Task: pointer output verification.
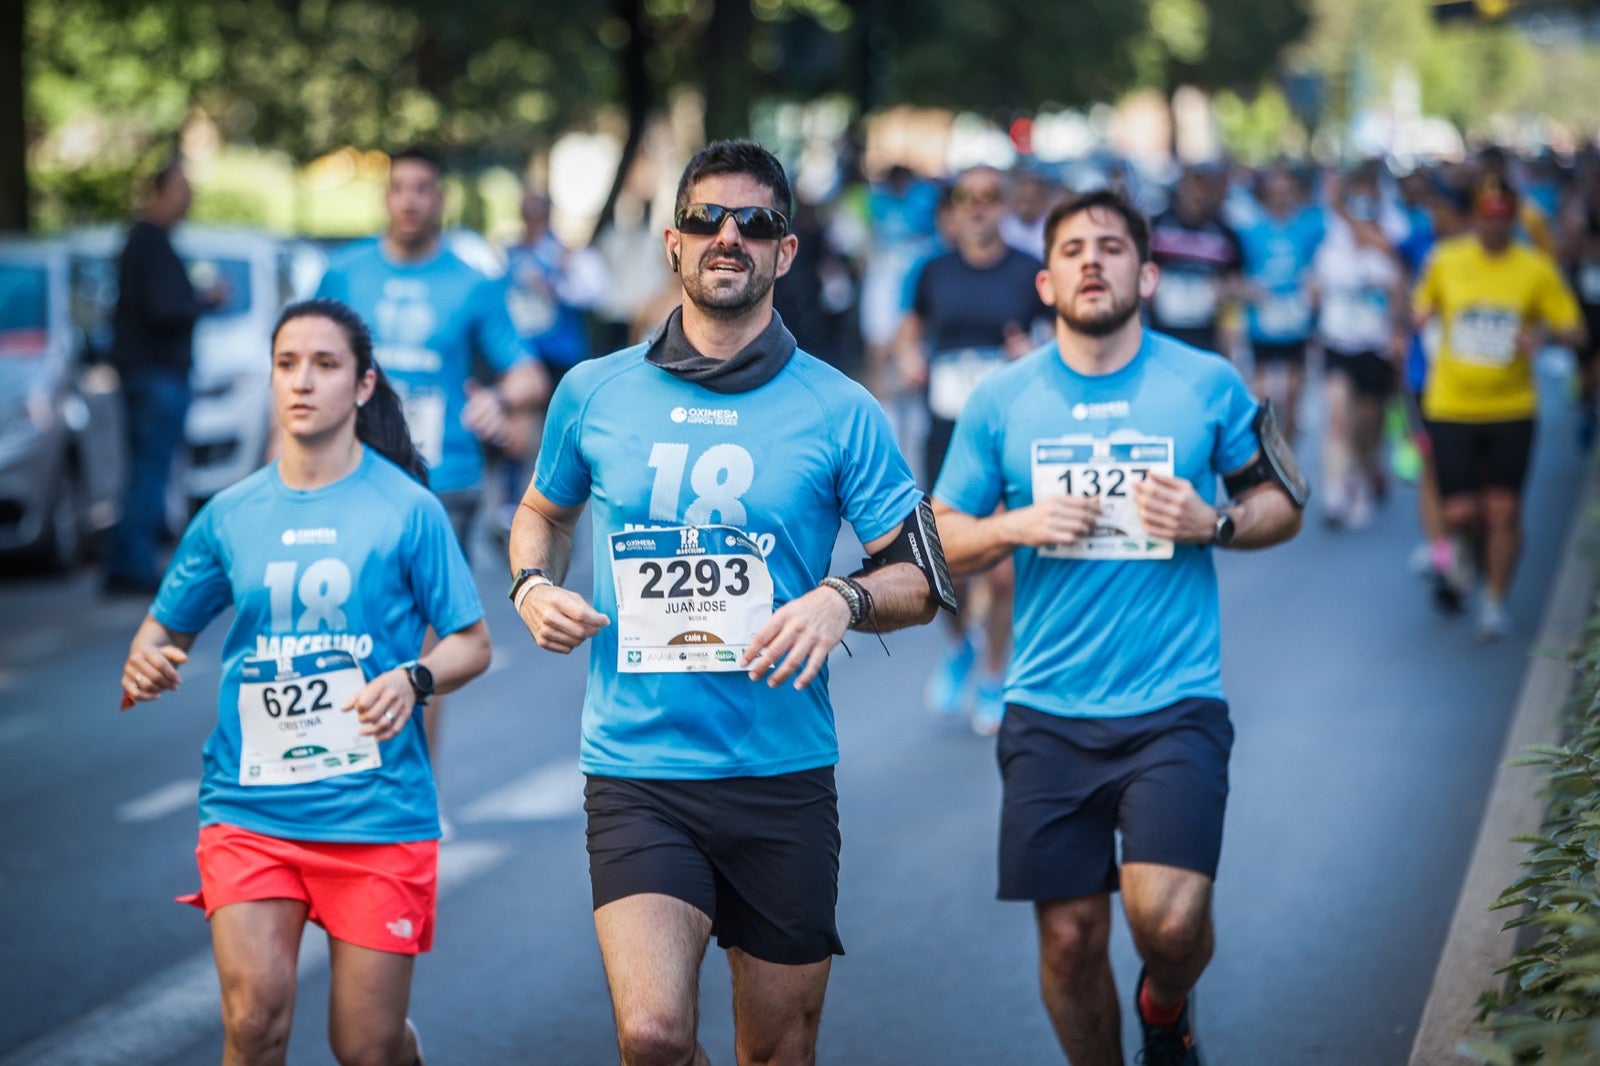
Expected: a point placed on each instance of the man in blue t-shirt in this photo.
(1105, 447)
(720, 462)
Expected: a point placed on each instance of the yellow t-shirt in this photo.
(1482, 303)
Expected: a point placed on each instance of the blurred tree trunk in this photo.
(726, 69)
(638, 97)
(13, 128)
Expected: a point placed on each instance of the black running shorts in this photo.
(1469, 457)
(759, 855)
(1072, 784)
(1292, 354)
(1369, 373)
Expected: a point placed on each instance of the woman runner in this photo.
(317, 800)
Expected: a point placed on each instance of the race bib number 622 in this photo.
(292, 724)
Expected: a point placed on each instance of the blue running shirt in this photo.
(1277, 257)
(781, 466)
(361, 568)
(428, 320)
(1106, 638)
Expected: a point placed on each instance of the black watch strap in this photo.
(421, 679)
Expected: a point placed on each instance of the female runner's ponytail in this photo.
(381, 421)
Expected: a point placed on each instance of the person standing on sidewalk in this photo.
(1105, 448)
(152, 350)
(720, 461)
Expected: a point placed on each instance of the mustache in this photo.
(733, 255)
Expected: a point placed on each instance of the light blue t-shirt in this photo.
(1277, 257)
(428, 321)
(363, 566)
(1106, 638)
(784, 463)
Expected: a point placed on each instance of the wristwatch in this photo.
(532, 573)
(1222, 534)
(421, 679)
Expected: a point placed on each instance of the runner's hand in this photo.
(485, 414)
(798, 637)
(152, 670)
(559, 618)
(1171, 509)
(1061, 519)
(384, 704)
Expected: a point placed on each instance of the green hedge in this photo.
(1548, 1010)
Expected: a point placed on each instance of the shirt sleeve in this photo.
(562, 473)
(1557, 306)
(1425, 295)
(436, 571)
(333, 286)
(1237, 440)
(876, 489)
(973, 477)
(196, 587)
(494, 334)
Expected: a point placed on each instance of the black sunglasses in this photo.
(757, 223)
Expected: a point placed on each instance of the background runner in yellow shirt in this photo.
(1497, 302)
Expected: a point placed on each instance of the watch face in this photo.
(421, 679)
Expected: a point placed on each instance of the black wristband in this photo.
(857, 597)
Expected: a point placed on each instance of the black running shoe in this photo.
(1166, 1045)
(1446, 597)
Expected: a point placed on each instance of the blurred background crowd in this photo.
(563, 129)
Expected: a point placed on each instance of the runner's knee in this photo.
(651, 1038)
(1073, 942)
(257, 1017)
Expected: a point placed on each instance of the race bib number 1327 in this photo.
(1106, 470)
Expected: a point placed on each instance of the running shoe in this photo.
(946, 694)
(417, 1040)
(1420, 561)
(990, 706)
(1166, 1045)
(1453, 577)
(1492, 621)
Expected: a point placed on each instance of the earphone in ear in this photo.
(674, 262)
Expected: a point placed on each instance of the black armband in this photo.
(1275, 463)
(917, 543)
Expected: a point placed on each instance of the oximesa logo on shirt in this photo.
(323, 535)
(1111, 409)
(705, 416)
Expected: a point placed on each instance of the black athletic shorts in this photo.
(1590, 348)
(1072, 784)
(462, 508)
(940, 431)
(1293, 354)
(1370, 373)
(1469, 457)
(758, 855)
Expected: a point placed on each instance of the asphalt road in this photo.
(1368, 733)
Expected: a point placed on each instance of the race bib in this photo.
(425, 416)
(1186, 300)
(1284, 315)
(290, 723)
(689, 598)
(1106, 469)
(1589, 284)
(1358, 316)
(1485, 336)
(954, 374)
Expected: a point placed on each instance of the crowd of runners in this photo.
(1095, 401)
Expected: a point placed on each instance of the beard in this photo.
(1100, 323)
(725, 301)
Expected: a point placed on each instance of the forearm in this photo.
(525, 386)
(152, 634)
(900, 598)
(972, 544)
(459, 657)
(539, 542)
(1264, 516)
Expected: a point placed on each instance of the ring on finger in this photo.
(388, 716)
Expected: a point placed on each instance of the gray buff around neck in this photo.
(750, 368)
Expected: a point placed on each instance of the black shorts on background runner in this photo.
(1471, 456)
(1072, 784)
(759, 855)
(1292, 354)
(1370, 373)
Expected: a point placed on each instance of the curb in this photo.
(1475, 946)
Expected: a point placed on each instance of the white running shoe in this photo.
(1420, 561)
(416, 1041)
(1492, 621)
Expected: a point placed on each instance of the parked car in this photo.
(61, 437)
(227, 429)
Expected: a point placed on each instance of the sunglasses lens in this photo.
(757, 223)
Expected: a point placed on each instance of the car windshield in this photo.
(24, 310)
(234, 274)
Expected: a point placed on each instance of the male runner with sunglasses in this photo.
(720, 461)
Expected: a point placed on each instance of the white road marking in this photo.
(168, 799)
(549, 793)
(178, 1006)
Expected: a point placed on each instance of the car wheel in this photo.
(61, 547)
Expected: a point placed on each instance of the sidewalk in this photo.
(1475, 946)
